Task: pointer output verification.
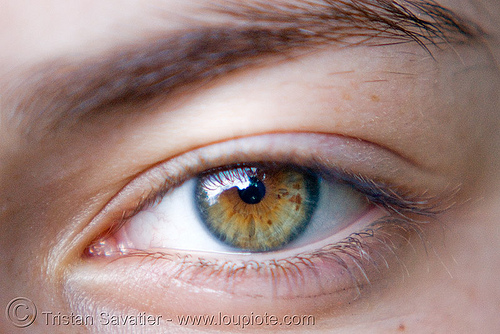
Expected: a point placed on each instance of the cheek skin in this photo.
(453, 289)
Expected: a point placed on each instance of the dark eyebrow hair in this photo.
(151, 70)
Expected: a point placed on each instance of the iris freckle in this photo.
(254, 193)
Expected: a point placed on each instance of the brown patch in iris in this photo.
(269, 222)
(297, 186)
(296, 199)
(297, 207)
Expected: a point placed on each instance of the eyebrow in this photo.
(154, 69)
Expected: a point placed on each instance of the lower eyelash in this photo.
(360, 257)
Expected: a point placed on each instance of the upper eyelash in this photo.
(401, 201)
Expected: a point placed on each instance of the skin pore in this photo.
(418, 120)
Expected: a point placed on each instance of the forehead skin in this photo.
(47, 181)
(73, 27)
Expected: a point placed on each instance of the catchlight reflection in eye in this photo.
(257, 209)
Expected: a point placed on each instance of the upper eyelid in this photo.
(234, 151)
(389, 196)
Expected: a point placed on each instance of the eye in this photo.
(273, 217)
(239, 209)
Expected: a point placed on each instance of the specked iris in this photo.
(257, 208)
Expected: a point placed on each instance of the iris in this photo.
(257, 208)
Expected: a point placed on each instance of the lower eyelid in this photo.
(326, 279)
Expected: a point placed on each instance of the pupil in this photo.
(254, 193)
